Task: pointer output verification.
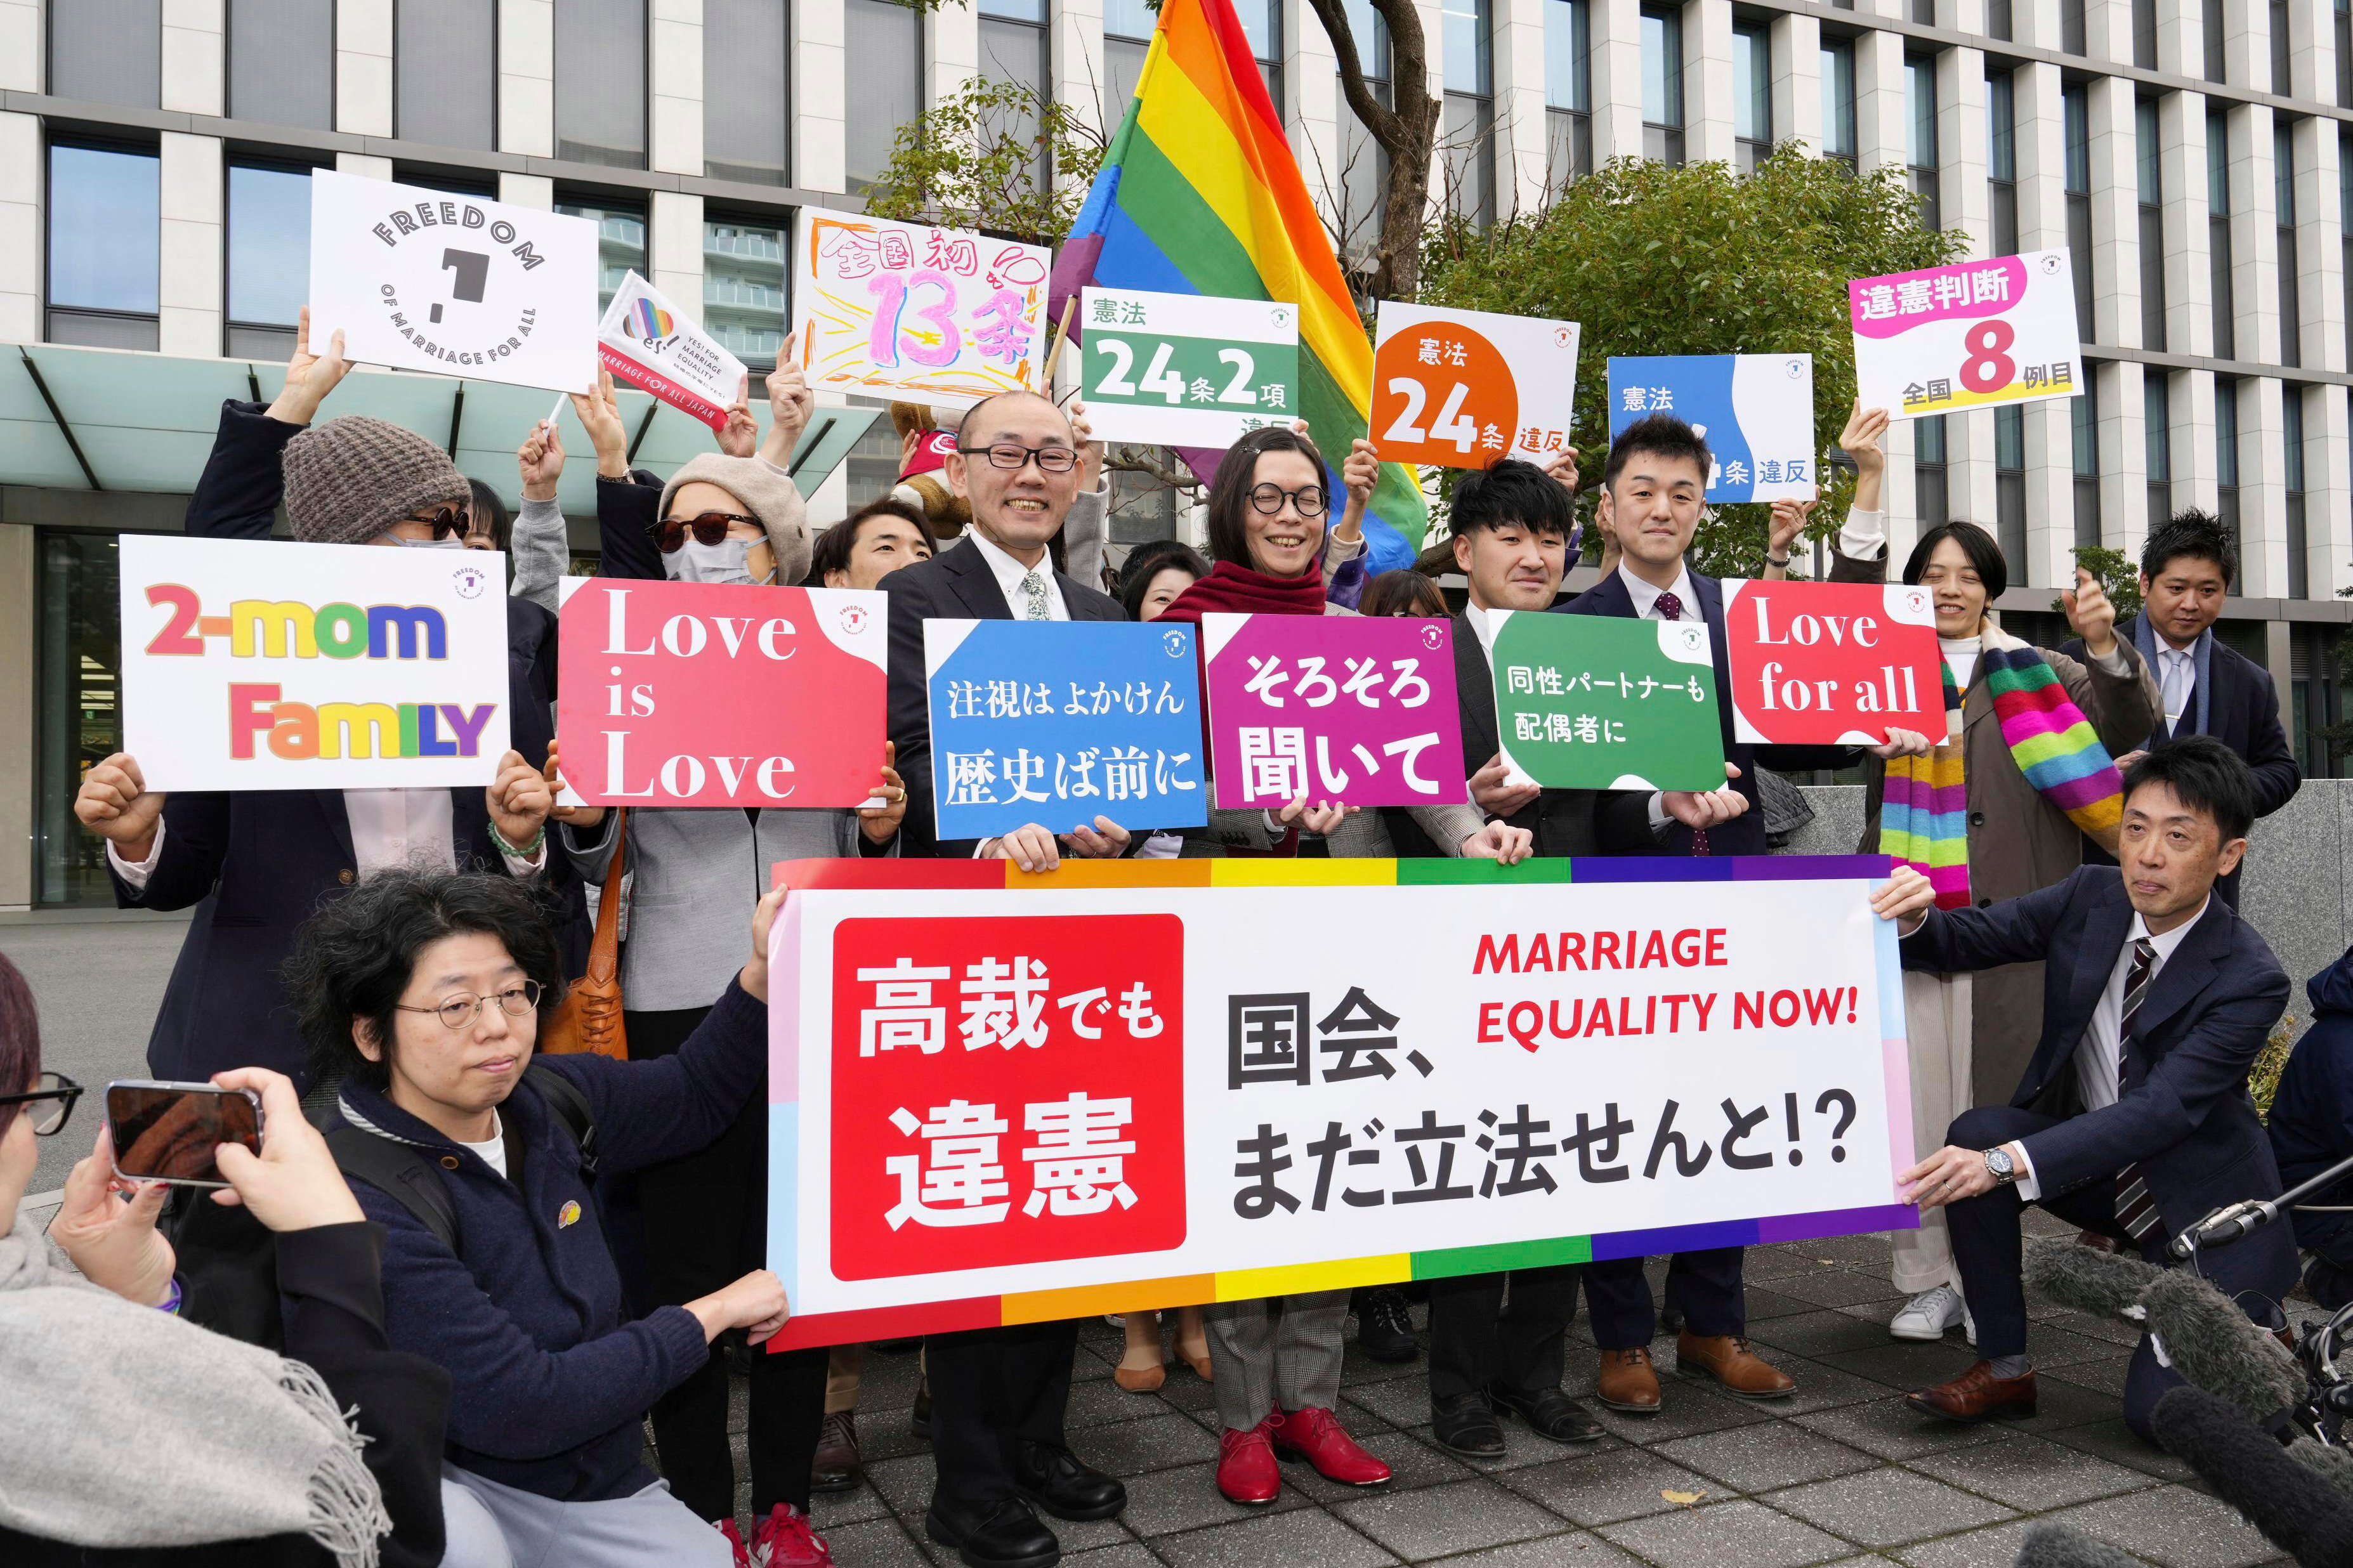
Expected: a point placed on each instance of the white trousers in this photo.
(490, 1525)
(1936, 1024)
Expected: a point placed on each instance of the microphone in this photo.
(2224, 1226)
(2055, 1546)
(2212, 1342)
(2105, 1284)
(2295, 1508)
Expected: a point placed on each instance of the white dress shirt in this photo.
(1646, 597)
(1009, 574)
(391, 828)
(2177, 678)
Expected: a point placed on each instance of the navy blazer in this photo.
(955, 584)
(2183, 1112)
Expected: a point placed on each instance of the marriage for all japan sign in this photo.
(996, 1098)
(1962, 336)
(257, 664)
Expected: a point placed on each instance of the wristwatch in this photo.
(2000, 1167)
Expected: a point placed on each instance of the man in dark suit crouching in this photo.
(2133, 1118)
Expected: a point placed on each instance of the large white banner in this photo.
(257, 664)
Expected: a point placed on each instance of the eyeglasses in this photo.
(1008, 454)
(448, 522)
(708, 528)
(1308, 498)
(51, 1100)
(515, 1002)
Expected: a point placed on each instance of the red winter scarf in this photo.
(1236, 590)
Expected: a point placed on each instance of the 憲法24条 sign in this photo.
(1458, 389)
(996, 1097)
(722, 694)
(1356, 710)
(464, 285)
(1755, 411)
(255, 664)
(1059, 722)
(1602, 702)
(648, 342)
(1832, 664)
(1188, 370)
(1966, 335)
(942, 314)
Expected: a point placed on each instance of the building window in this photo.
(81, 719)
(2143, 26)
(747, 91)
(269, 258)
(1364, 167)
(1467, 134)
(2084, 432)
(2075, 128)
(1261, 23)
(2281, 73)
(1920, 144)
(2345, 54)
(1931, 495)
(1127, 38)
(2299, 576)
(2151, 170)
(2215, 24)
(2010, 485)
(2218, 232)
(2226, 450)
(886, 39)
(2157, 427)
(107, 51)
(2345, 229)
(1569, 92)
(1662, 83)
(2001, 160)
(744, 290)
(1013, 50)
(620, 241)
(281, 62)
(445, 71)
(105, 223)
(2290, 314)
(1838, 99)
(1752, 95)
(600, 82)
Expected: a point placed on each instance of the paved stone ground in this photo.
(1840, 1473)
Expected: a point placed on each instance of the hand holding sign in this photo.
(600, 415)
(309, 377)
(540, 461)
(739, 435)
(1701, 809)
(115, 803)
(1860, 441)
(790, 404)
(518, 801)
(879, 818)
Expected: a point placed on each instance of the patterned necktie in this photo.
(1670, 608)
(2136, 1210)
(1034, 587)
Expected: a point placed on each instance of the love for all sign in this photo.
(720, 694)
(1832, 664)
(996, 1097)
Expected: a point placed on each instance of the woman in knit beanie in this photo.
(364, 481)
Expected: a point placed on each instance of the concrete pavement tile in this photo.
(1761, 1303)
(1906, 1365)
(1155, 1443)
(830, 1511)
(2104, 1376)
(2113, 1441)
(1356, 1367)
(2115, 1330)
(1823, 1331)
(2048, 1344)
(1622, 1484)
(1743, 1534)
(1100, 1401)
(1127, 1554)
(2031, 1474)
(2175, 1528)
(1421, 1525)
(1887, 1507)
(1400, 1402)
(1576, 1549)
(1821, 1388)
(1769, 1455)
(1989, 1548)
(1687, 1407)
(1773, 1264)
(2059, 1406)
(1522, 1447)
(1306, 1535)
(1893, 1430)
(875, 1543)
(1839, 1287)
(903, 1483)
(1187, 1498)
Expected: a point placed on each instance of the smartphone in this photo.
(172, 1132)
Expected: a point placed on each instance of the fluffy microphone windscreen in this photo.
(2089, 1280)
(2296, 1510)
(2064, 1546)
(2210, 1343)
(2335, 1464)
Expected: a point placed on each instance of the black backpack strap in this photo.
(571, 1110)
(402, 1173)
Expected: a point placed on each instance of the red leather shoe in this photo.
(1247, 1473)
(1315, 1435)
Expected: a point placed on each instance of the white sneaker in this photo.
(1968, 1325)
(1929, 1315)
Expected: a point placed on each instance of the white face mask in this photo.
(430, 544)
(728, 560)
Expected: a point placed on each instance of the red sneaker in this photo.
(1315, 1435)
(735, 1542)
(785, 1539)
(1247, 1473)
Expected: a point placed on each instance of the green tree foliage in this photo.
(1654, 259)
(979, 158)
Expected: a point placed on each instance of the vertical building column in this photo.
(1080, 79)
(2312, 57)
(192, 245)
(21, 228)
(1962, 141)
(363, 67)
(2246, 43)
(2263, 490)
(951, 50)
(2109, 32)
(195, 57)
(820, 96)
(2319, 245)
(1881, 112)
(2194, 463)
(527, 78)
(366, 165)
(2116, 211)
(1433, 32)
(1615, 37)
(675, 77)
(19, 709)
(2049, 453)
(21, 54)
(2189, 273)
(1522, 145)
(1317, 109)
(674, 248)
(1707, 82)
(2123, 457)
(2327, 492)
(2255, 235)
(527, 190)
(1797, 81)
(2181, 38)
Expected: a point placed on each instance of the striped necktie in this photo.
(2136, 1210)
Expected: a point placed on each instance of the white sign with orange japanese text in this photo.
(1458, 389)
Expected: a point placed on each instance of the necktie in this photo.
(1670, 608)
(2180, 675)
(2136, 1210)
(1033, 588)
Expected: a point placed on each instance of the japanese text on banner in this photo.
(942, 313)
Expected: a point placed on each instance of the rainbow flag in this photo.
(1198, 193)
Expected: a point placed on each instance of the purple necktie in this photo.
(1670, 608)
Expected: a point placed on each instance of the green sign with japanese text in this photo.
(1599, 703)
(1186, 370)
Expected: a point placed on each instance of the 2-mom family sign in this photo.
(996, 1098)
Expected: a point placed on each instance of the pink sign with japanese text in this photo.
(1356, 711)
(1963, 336)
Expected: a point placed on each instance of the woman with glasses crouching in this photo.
(423, 995)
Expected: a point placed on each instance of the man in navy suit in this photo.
(2133, 1118)
(2210, 690)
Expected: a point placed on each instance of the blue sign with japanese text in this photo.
(1059, 722)
(1756, 411)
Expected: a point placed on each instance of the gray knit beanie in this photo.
(766, 492)
(352, 478)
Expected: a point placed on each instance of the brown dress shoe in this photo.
(1976, 1396)
(837, 1467)
(1628, 1383)
(1727, 1359)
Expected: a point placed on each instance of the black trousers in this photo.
(992, 1390)
(1476, 1342)
(1705, 1287)
(704, 1221)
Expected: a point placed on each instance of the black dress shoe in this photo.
(1551, 1414)
(1384, 1327)
(1465, 1423)
(919, 1419)
(1003, 1534)
(1056, 1481)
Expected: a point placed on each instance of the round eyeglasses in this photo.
(516, 1002)
(1269, 499)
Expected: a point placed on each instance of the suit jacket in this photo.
(955, 584)
(2182, 1111)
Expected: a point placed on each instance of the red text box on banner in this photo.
(1006, 1090)
(712, 694)
(1820, 664)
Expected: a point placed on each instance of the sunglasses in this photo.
(708, 528)
(448, 522)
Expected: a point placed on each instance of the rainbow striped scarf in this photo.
(1924, 815)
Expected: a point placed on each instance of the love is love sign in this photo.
(1832, 664)
(721, 694)
(1968, 335)
(1458, 389)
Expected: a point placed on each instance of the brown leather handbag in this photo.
(589, 1018)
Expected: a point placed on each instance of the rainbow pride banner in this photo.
(996, 1098)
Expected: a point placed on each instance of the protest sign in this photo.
(996, 1098)
(1356, 711)
(257, 664)
(420, 279)
(721, 694)
(1602, 703)
(1458, 389)
(940, 314)
(1832, 664)
(1756, 412)
(648, 342)
(1963, 336)
(1059, 722)
(1186, 370)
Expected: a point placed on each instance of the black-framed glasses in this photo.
(49, 1102)
(446, 522)
(708, 528)
(518, 1001)
(1013, 456)
(1268, 499)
